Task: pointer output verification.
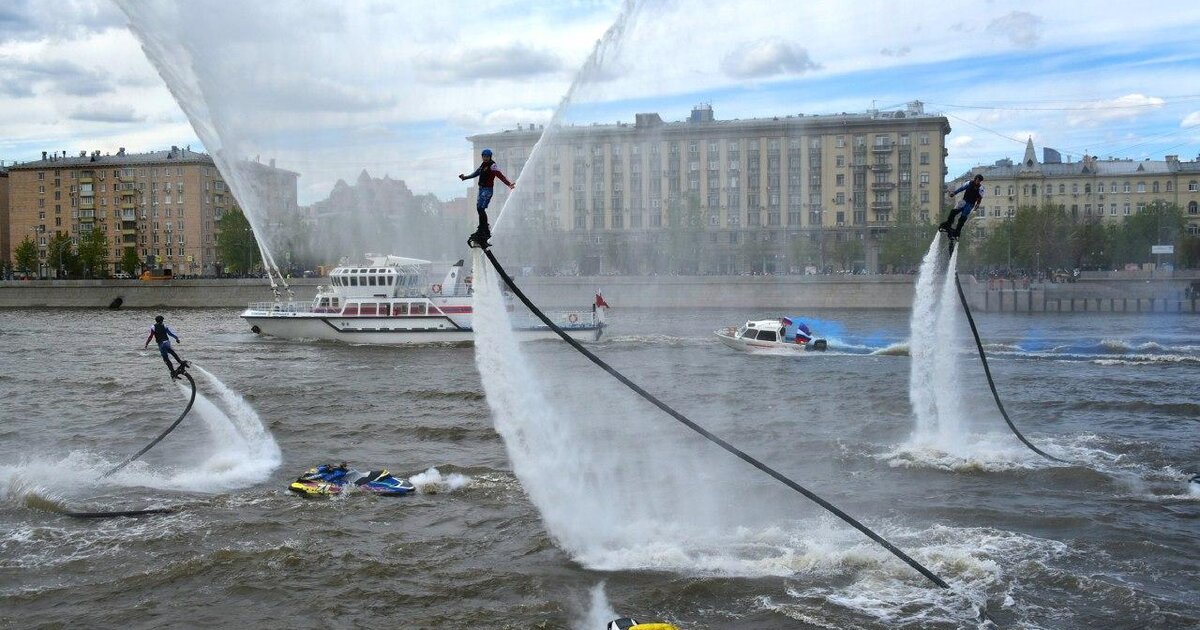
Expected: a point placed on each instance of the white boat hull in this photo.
(390, 331)
(751, 345)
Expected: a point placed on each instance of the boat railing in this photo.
(282, 307)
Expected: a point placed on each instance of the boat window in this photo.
(353, 281)
(750, 334)
(335, 302)
(418, 309)
(371, 280)
(400, 309)
(766, 335)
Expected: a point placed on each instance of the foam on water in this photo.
(599, 611)
(240, 452)
(432, 481)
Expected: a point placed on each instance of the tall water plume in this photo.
(935, 384)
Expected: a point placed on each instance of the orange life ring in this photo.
(572, 318)
(437, 288)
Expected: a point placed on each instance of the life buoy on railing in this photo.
(469, 280)
(572, 318)
(437, 288)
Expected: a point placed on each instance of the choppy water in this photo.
(1113, 544)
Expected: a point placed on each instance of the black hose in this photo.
(162, 435)
(713, 438)
(986, 370)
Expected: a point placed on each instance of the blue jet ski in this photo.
(329, 480)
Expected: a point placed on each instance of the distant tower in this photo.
(1029, 162)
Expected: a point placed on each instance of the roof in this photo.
(174, 155)
(1089, 165)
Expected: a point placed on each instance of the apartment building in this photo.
(770, 180)
(1091, 188)
(163, 205)
(5, 240)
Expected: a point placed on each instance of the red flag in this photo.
(600, 300)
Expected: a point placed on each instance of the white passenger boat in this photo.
(389, 301)
(785, 333)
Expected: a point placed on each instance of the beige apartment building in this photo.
(1091, 188)
(770, 180)
(5, 239)
(164, 205)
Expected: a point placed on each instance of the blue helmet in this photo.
(487, 153)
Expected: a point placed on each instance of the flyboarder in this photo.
(162, 334)
(972, 196)
(487, 173)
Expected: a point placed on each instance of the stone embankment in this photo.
(1090, 294)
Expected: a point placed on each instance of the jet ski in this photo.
(329, 480)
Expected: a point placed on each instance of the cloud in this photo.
(1129, 106)
(18, 78)
(107, 114)
(30, 20)
(516, 61)
(501, 118)
(767, 57)
(959, 142)
(1019, 27)
(1191, 120)
(896, 52)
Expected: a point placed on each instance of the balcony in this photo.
(881, 167)
(881, 206)
(87, 219)
(883, 185)
(125, 179)
(128, 215)
(85, 180)
(128, 231)
(883, 148)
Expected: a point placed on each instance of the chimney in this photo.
(121, 151)
(43, 156)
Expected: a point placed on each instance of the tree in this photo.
(93, 253)
(905, 243)
(237, 248)
(1160, 223)
(1089, 244)
(61, 255)
(847, 252)
(130, 262)
(26, 256)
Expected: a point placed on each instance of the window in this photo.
(925, 138)
(925, 158)
(840, 141)
(1127, 188)
(1141, 187)
(1193, 208)
(840, 199)
(1192, 187)
(840, 161)
(841, 180)
(1126, 209)
(924, 178)
(924, 196)
(1062, 189)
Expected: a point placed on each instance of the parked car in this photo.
(121, 275)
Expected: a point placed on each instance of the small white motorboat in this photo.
(785, 333)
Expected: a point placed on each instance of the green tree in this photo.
(93, 253)
(130, 263)
(237, 248)
(26, 256)
(847, 252)
(905, 243)
(684, 225)
(1160, 223)
(1089, 245)
(60, 254)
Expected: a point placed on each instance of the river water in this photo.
(1112, 542)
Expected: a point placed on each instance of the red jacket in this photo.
(487, 174)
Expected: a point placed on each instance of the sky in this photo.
(329, 89)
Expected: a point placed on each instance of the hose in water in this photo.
(162, 435)
(986, 370)
(117, 514)
(713, 438)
